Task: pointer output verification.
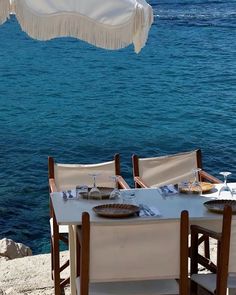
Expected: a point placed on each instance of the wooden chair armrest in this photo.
(206, 176)
(195, 229)
(52, 185)
(140, 182)
(122, 183)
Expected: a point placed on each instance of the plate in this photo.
(105, 191)
(116, 210)
(206, 187)
(217, 206)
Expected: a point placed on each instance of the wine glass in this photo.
(195, 186)
(225, 190)
(115, 194)
(94, 193)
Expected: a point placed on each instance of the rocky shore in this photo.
(22, 273)
(28, 275)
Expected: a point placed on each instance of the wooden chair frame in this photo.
(203, 175)
(83, 255)
(223, 239)
(56, 267)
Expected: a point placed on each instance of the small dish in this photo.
(206, 187)
(217, 206)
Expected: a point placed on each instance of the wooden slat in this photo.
(199, 158)
(64, 265)
(140, 182)
(204, 176)
(50, 167)
(208, 264)
(184, 253)
(85, 248)
(52, 185)
(223, 263)
(135, 165)
(122, 183)
(117, 164)
(205, 231)
(56, 259)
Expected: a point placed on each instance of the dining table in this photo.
(165, 207)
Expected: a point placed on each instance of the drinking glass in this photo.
(195, 186)
(115, 194)
(183, 187)
(94, 193)
(225, 190)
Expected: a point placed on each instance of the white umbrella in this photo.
(110, 24)
(4, 10)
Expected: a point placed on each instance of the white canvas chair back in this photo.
(232, 255)
(165, 170)
(68, 176)
(140, 251)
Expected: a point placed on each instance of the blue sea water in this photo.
(79, 103)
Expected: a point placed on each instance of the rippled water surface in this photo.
(82, 104)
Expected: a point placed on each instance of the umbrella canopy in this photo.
(110, 24)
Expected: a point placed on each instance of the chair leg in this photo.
(56, 266)
(52, 262)
(193, 288)
(56, 257)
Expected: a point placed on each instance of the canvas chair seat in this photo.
(208, 281)
(160, 287)
(63, 229)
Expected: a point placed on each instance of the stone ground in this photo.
(31, 275)
(28, 275)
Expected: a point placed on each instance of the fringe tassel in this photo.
(79, 26)
(142, 24)
(4, 10)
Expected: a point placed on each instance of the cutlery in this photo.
(70, 195)
(64, 196)
(147, 209)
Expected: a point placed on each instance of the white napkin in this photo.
(148, 211)
(168, 190)
(69, 194)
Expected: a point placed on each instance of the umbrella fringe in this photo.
(47, 27)
(142, 24)
(4, 10)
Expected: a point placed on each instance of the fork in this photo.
(64, 196)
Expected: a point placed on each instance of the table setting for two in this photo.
(111, 203)
(115, 203)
